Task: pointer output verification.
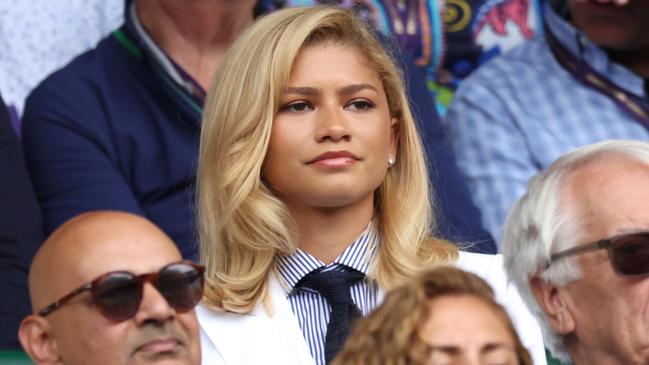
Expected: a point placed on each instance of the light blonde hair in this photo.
(242, 225)
(391, 335)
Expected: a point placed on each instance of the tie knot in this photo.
(333, 285)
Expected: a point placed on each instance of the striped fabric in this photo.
(519, 112)
(311, 308)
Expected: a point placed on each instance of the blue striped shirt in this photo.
(311, 308)
(521, 111)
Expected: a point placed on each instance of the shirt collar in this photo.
(359, 255)
(171, 69)
(583, 48)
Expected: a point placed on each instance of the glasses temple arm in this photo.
(52, 307)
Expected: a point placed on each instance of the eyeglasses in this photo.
(629, 253)
(118, 294)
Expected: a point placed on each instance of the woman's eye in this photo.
(360, 105)
(297, 107)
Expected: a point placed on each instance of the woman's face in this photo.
(333, 135)
(464, 330)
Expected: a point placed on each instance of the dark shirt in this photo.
(111, 131)
(20, 232)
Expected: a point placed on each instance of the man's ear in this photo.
(553, 302)
(36, 338)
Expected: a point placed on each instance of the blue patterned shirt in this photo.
(311, 308)
(518, 113)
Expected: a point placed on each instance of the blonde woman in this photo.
(312, 193)
(444, 316)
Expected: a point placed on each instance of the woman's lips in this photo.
(334, 159)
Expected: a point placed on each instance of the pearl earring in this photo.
(390, 161)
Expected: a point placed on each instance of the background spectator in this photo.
(517, 114)
(443, 316)
(118, 127)
(109, 288)
(577, 247)
(20, 232)
(39, 36)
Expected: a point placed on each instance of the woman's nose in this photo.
(332, 124)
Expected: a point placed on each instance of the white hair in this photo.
(540, 224)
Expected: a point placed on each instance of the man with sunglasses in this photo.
(112, 288)
(577, 247)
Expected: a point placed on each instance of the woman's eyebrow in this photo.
(454, 350)
(345, 90)
(350, 89)
(491, 346)
(447, 349)
(302, 90)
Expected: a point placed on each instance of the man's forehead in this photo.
(135, 249)
(609, 196)
(95, 244)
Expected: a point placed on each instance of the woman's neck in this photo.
(326, 232)
(195, 34)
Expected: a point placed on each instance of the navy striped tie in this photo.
(334, 286)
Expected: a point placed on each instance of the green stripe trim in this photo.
(8, 357)
(128, 43)
(551, 360)
(182, 93)
(125, 41)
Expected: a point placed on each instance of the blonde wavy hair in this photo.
(243, 226)
(391, 335)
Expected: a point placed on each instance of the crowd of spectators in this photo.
(172, 110)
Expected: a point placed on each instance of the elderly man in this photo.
(577, 247)
(111, 288)
(581, 82)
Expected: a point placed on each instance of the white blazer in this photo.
(258, 338)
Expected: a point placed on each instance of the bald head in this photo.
(92, 243)
(77, 332)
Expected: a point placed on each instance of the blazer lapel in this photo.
(256, 338)
(286, 324)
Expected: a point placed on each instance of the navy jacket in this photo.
(20, 233)
(111, 131)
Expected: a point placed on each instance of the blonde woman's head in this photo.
(243, 222)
